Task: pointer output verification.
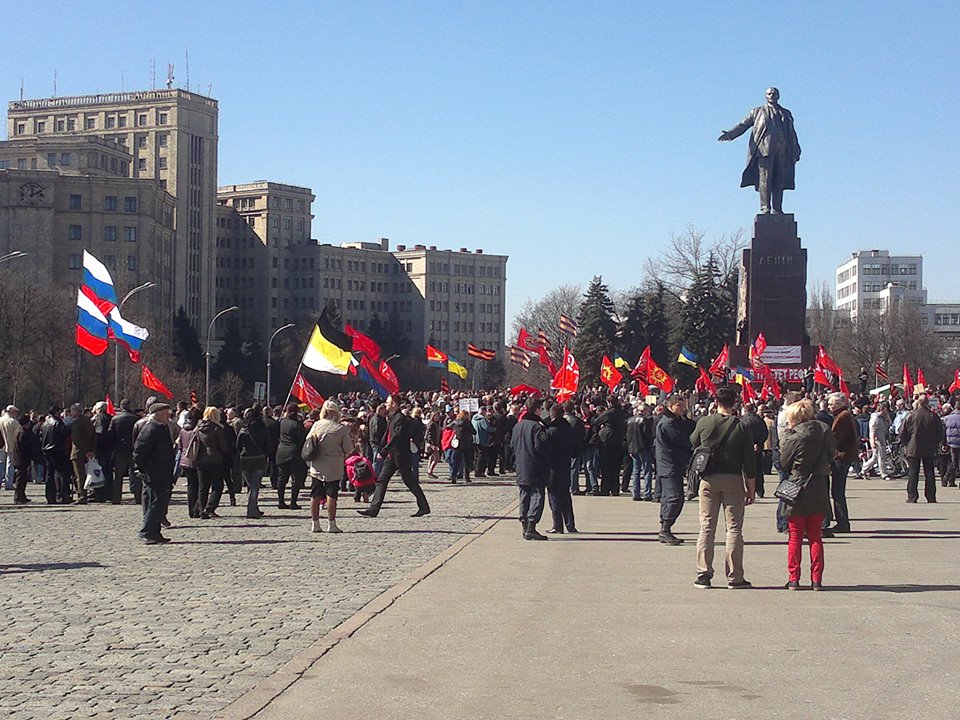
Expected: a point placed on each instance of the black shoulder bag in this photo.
(701, 461)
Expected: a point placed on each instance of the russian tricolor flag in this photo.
(91, 326)
(97, 284)
(99, 313)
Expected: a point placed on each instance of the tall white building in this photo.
(872, 279)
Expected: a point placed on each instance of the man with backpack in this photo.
(728, 481)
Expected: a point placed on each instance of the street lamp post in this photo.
(13, 255)
(269, 346)
(116, 345)
(206, 395)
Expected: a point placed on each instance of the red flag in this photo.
(305, 392)
(363, 343)
(820, 377)
(444, 385)
(523, 341)
(152, 382)
(826, 362)
(956, 382)
(769, 382)
(546, 361)
(609, 375)
(704, 384)
(389, 377)
(759, 345)
(111, 410)
(921, 380)
(747, 392)
(907, 381)
(843, 386)
(719, 365)
(567, 379)
(652, 373)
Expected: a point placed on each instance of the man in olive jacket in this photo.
(729, 481)
(922, 433)
(83, 440)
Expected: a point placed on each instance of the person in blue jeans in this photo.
(638, 445)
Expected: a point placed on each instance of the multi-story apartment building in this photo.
(865, 281)
(61, 196)
(171, 139)
(258, 224)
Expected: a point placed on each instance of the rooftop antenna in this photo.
(123, 82)
(54, 83)
(187, 53)
(153, 73)
(169, 76)
(210, 90)
(21, 87)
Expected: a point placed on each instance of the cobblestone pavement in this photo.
(96, 625)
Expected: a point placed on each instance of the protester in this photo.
(672, 451)
(188, 462)
(610, 430)
(25, 451)
(561, 445)
(54, 440)
(847, 436)
(395, 452)
(807, 447)
(153, 455)
(252, 457)
(290, 465)
(9, 426)
(212, 461)
(879, 443)
(921, 434)
(529, 440)
(433, 437)
(121, 435)
(728, 482)
(951, 424)
(327, 446)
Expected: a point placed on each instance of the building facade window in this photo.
(130, 234)
(110, 233)
(74, 232)
(110, 203)
(74, 202)
(73, 262)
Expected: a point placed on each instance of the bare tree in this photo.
(823, 318)
(688, 253)
(543, 314)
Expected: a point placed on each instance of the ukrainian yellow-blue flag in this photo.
(743, 375)
(686, 357)
(454, 367)
(619, 362)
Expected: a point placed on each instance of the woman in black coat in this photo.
(806, 449)
(252, 441)
(213, 458)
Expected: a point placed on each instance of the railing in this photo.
(109, 99)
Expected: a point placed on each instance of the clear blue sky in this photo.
(574, 137)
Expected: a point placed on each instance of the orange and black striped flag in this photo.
(543, 341)
(568, 325)
(444, 385)
(481, 353)
(519, 356)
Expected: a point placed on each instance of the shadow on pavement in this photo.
(16, 568)
(907, 588)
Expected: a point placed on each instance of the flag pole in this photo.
(287, 401)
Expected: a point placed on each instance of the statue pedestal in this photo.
(772, 296)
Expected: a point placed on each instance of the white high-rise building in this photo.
(872, 279)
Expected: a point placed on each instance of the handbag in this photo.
(701, 461)
(789, 490)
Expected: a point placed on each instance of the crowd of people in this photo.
(616, 442)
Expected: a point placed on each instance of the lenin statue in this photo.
(773, 151)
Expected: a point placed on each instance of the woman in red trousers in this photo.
(806, 449)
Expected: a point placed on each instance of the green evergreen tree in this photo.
(658, 325)
(633, 335)
(333, 313)
(186, 344)
(597, 331)
(704, 317)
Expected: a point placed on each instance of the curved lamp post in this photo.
(116, 346)
(269, 347)
(206, 395)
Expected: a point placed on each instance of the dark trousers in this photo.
(122, 464)
(57, 479)
(493, 452)
(610, 461)
(531, 503)
(21, 474)
(156, 497)
(561, 506)
(838, 491)
(211, 487)
(671, 499)
(913, 478)
(760, 461)
(506, 459)
(287, 471)
(193, 491)
(390, 466)
(481, 454)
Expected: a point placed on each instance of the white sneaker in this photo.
(315, 526)
(332, 527)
